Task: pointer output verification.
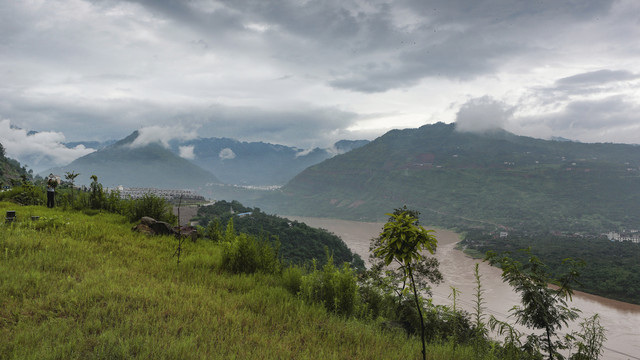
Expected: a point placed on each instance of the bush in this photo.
(25, 194)
(213, 231)
(292, 279)
(335, 288)
(152, 206)
(442, 323)
(246, 254)
(374, 302)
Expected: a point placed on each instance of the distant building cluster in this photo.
(633, 236)
(168, 194)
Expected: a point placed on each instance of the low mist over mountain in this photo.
(255, 163)
(97, 145)
(134, 161)
(492, 178)
(149, 165)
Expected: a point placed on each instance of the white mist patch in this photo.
(226, 154)
(483, 114)
(304, 152)
(186, 152)
(162, 135)
(39, 150)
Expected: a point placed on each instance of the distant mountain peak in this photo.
(128, 140)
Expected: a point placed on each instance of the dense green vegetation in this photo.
(84, 286)
(297, 242)
(90, 200)
(74, 286)
(460, 179)
(613, 269)
(10, 170)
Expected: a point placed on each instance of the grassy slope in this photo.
(75, 286)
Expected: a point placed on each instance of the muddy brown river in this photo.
(621, 320)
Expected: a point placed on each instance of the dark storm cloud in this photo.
(370, 47)
(451, 59)
(308, 73)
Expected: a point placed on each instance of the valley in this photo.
(622, 320)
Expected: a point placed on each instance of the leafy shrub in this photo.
(335, 288)
(152, 206)
(213, 231)
(374, 302)
(292, 279)
(97, 198)
(442, 322)
(25, 194)
(246, 254)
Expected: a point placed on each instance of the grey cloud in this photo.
(604, 114)
(363, 48)
(506, 10)
(39, 150)
(597, 77)
(483, 114)
(214, 21)
(370, 46)
(612, 119)
(304, 126)
(99, 72)
(463, 56)
(96, 119)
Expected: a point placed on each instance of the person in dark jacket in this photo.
(51, 191)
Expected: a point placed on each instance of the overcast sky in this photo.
(308, 73)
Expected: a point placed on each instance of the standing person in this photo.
(51, 191)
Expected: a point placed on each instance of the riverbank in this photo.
(622, 320)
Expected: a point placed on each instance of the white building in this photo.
(168, 194)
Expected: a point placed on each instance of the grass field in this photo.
(84, 286)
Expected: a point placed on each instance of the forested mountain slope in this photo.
(10, 169)
(490, 179)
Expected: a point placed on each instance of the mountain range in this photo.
(150, 165)
(255, 163)
(491, 179)
(195, 163)
(453, 178)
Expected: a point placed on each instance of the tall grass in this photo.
(83, 287)
(76, 286)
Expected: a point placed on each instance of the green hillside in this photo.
(10, 169)
(150, 165)
(297, 242)
(75, 286)
(465, 179)
(83, 285)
